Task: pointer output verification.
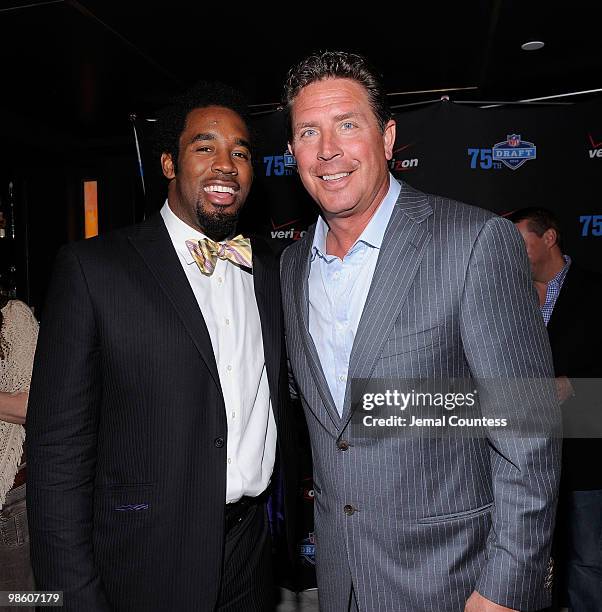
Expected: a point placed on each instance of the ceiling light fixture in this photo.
(532, 45)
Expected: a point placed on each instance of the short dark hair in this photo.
(172, 119)
(336, 65)
(539, 220)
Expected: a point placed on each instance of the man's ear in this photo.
(550, 237)
(167, 165)
(389, 138)
(290, 148)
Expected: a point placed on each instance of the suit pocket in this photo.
(126, 528)
(456, 516)
(399, 344)
(124, 500)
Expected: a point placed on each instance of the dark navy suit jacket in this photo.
(127, 429)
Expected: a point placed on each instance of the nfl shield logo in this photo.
(307, 549)
(514, 152)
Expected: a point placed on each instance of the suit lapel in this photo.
(301, 285)
(402, 249)
(153, 243)
(267, 294)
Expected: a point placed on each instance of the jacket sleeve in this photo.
(507, 348)
(62, 429)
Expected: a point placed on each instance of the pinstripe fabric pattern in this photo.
(247, 577)
(436, 518)
(127, 429)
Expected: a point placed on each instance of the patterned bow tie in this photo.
(206, 252)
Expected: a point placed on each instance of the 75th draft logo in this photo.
(307, 549)
(512, 153)
(280, 165)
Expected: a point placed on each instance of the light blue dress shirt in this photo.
(338, 290)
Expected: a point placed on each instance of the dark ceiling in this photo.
(79, 68)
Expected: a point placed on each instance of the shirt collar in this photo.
(373, 232)
(180, 232)
(559, 278)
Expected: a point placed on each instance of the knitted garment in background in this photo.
(20, 334)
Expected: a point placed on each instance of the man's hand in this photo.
(564, 389)
(477, 603)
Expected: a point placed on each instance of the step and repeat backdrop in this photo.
(500, 159)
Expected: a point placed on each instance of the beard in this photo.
(217, 225)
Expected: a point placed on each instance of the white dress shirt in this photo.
(227, 302)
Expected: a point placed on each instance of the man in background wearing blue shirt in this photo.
(570, 299)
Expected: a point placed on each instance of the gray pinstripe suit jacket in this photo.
(435, 519)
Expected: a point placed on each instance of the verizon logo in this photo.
(398, 165)
(279, 233)
(596, 150)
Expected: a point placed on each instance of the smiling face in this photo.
(340, 150)
(214, 172)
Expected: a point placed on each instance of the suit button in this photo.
(343, 445)
(219, 442)
(349, 510)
